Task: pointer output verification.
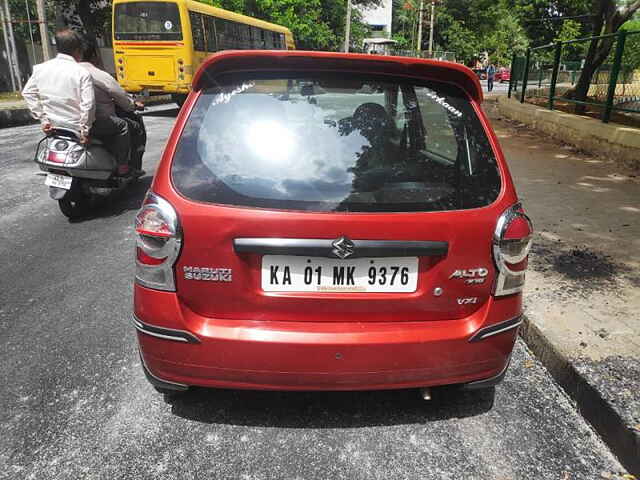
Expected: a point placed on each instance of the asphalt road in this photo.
(75, 404)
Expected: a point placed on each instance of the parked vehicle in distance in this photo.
(503, 75)
(330, 221)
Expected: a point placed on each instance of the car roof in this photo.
(297, 60)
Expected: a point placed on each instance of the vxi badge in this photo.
(471, 275)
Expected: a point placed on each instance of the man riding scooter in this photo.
(114, 105)
(79, 173)
(61, 94)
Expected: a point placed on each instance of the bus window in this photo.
(268, 40)
(283, 43)
(243, 36)
(256, 38)
(197, 31)
(147, 21)
(210, 31)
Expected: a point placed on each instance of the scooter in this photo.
(80, 176)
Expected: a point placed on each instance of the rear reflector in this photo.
(147, 259)
(56, 157)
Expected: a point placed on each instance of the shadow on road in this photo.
(328, 409)
(129, 199)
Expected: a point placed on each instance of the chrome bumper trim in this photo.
(497, 328)
(164, 333)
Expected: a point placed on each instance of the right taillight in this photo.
(511, 244)
(158, 241)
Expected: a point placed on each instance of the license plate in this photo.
(284, 273)
(60, 181)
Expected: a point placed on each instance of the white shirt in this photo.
(108, 92)
(60, 92)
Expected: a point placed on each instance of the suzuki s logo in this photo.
(343, 247)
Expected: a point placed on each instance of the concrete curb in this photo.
(623, 441)
(588, 134)
(15, 117)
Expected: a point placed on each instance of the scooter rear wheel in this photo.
(73, 207)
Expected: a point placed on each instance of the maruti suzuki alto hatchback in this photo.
(329, 221)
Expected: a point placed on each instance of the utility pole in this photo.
(419, 46)
(12, 53)
(33, 46)
(7, 48)
(431, 30)
(44, 32)
(347, 28)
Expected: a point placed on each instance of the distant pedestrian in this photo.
(491, 73)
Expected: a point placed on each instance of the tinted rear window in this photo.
(147, 21)
(336, 143)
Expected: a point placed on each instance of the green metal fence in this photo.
(548, 75)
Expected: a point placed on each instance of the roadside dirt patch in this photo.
(585, 264)
(585, 269)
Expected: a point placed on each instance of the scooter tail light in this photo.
(158, 243)
(511, 244)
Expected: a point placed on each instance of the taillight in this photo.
(511, 245)
(158, 241)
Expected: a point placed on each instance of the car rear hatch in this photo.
(310, 195)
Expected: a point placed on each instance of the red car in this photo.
(328, 221)
(503, 75)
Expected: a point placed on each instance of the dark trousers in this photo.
(114, 133)
(138, 135)
(489, 84)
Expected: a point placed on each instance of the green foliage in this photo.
(543, 20)
(507, 38)
(316, 24)
(631, 57)
(572, 52)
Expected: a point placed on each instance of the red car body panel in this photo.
(297, 341)
(322, 355)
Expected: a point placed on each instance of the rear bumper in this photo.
(182, 348)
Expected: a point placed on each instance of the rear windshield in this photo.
(335, 143)
(147, 21)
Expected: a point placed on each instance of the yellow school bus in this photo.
(158, 45)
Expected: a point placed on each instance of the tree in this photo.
(316, 24)
(506, 39)
(608, 17)
(631, 57)
(543, 20)
(571, 30)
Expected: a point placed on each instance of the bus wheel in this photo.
(179, 98)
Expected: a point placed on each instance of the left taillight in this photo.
(158, 242)
(511, 244)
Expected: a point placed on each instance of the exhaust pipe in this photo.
(425, 393)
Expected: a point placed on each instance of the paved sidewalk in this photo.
(583, 286)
